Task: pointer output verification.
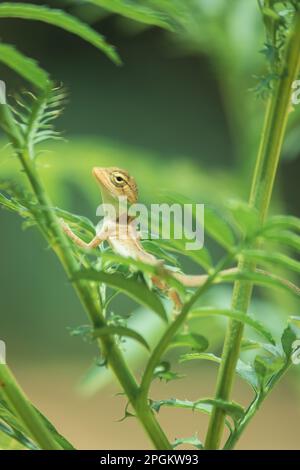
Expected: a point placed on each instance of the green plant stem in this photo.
(115, 357)
(88, 296)
(275, 123)
(32, 421)
(253, 408)
(172, 330)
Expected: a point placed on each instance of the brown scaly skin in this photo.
(116, 183)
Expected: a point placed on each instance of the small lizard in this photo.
(115, 184)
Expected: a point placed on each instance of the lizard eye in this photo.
(118, 180)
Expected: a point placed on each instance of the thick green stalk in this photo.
(162, 346)
(276, 117)
(115, 357)
(88, 297)
(172, 330)
(32, 421)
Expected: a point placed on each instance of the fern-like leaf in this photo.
(35, 115)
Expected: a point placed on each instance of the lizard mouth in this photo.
(101, 176)
(103, 179)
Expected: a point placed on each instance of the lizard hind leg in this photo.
(169, 291)
(175, 298)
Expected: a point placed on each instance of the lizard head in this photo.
(115, 183)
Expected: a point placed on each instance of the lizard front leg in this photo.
(99, 238)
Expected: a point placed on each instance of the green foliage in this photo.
(243, 370)
(83, 331)
(264, 279)
(62, 441)
(191, 340)
(135, 11)
(193, 441)
(287, 339)
(163, 372)
(60, 19)
(34, 117)
(16, 412)
(129, 286)
(274, 259)
(201, 257)
(13, 429)
(121, 331)
(245, 217)
(240, 230)
(240, 316)
(216, 225)
(24, 66)
(204, 405)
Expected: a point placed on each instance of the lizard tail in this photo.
(197, 280)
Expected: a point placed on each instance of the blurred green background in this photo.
(179, 115)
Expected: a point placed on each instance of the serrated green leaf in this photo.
(218, 228)
(277, 259)
(174, 8)
(163, 372)
(24, 66)
(245, 217)
(9, 439)
(272, 349)
(135, 11)
(232, 409)
(190, 340)
(22, 414)
(205, 405)
(121, 331)
(284, 238)
(201, 257)
(62, 20)
(14, 206)
(32, 117)
(236, 315)
(12, 427)
(138, 291)
(197, 356)
(178, 245)
(262, 278)
(193, 441)
(248, 344)
(245, 371)
(15, 428)
(214, 223)
(261, 369)
(160, 271)
(279, 222)
(85, 331)
(159, 252)
(186, 404)
(12, 439)
(267, 365)
(81, 222)
(287, 339)
(10, 126)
